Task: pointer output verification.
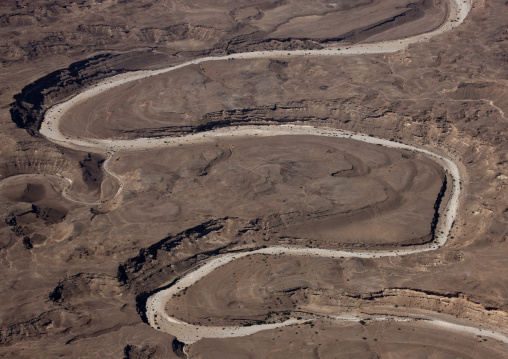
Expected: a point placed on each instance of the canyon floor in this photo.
(89, 234)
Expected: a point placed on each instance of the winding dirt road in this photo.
(189, 333)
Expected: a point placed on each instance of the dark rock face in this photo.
(27, 111)
(178, 348)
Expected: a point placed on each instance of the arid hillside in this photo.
(89, 235)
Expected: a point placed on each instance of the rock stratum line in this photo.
(189, 333)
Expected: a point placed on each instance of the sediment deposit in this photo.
(352, 176)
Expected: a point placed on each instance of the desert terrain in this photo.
(252, 179)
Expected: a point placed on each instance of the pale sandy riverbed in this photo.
(155, 305)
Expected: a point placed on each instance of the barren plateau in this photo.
(252, 179)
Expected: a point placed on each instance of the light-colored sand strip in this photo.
(453, 327)
(284, 130)
(188, 333)
(50, 127)
(155, 305)
(428, 322)
(444, 225)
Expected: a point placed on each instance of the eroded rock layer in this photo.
(79, 257)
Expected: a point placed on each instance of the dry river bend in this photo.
(188, 333)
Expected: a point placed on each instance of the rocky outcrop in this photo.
(29, 107)
(51, 323)
(178, 348)
(82, 286)
(437, 208)
(252, 42)
(165, 261)
(27, 110)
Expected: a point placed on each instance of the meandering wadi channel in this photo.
(155, 306)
